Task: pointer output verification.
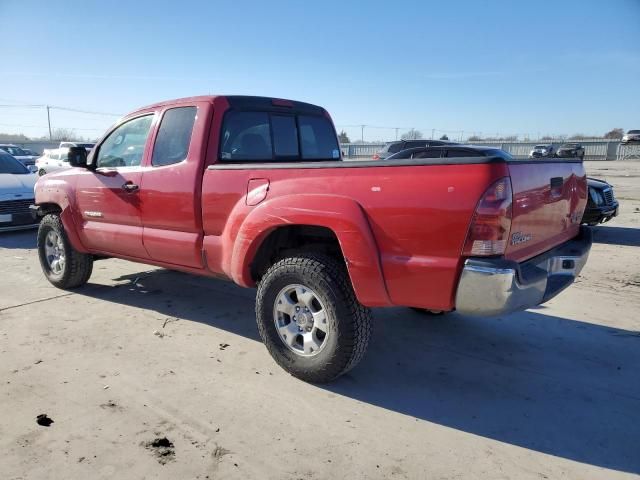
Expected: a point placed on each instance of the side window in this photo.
(246, 136)
(404, 154)
(54, 155)
(461, 152)
(174, 136)
(414, 144)
(124, 147)
(395, 147)
(428, 153)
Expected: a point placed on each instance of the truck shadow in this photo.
(617, 235)
(22, 239)
(562, 387)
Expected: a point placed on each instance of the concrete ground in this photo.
(141, 354)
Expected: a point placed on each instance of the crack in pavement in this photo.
(35, 301)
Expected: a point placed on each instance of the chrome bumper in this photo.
(496, 286)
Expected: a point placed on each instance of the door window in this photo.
(124, 147)
(174, 136)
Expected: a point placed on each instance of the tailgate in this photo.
(549, 198)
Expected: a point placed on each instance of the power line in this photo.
(67, 109)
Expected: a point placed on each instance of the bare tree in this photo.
(578, 136)
(343, 137)
(63, 134)
(474, 138)
(412, 134)
(13, 137)
(615, 134)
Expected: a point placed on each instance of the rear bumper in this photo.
(497, 286)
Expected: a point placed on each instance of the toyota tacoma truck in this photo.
(255, 190)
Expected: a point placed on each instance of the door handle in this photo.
(130, 187)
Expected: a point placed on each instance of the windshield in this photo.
(634, 132)
(540, 146)
(14, 151)
(10, 165)
(570, 145)
(85, 145)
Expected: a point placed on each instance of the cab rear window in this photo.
(276, 137)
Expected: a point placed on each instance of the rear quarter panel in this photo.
(419, 217)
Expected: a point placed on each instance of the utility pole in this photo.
(49, 122)
(397, 133)
(362, 133)
(433, 131)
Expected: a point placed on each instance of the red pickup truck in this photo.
(254, 190)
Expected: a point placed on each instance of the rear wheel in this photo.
(63, 266)
(309, 318)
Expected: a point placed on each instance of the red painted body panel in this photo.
(170, 198)
(118, 229)
(418, 217)
(401, 228)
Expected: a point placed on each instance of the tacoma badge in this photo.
(519, 237)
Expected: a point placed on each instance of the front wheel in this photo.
(63, 266)
(42, 172)
(309, 318)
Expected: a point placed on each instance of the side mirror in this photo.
(32, 168)
(77, 157)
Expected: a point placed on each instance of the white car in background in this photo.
(18, 153)
(16, 194)
(53, 160)
(542, 151)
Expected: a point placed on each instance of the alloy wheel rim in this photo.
(54, 252)
(301, 320)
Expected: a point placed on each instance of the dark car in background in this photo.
(570, 150)
(602, 205)
(392, 148)
(19, 154)
(632, 136)
(450, 151)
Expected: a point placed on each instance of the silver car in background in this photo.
(542, 151)
(631, 136)
(16, 194)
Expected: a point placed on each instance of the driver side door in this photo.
(108, 198)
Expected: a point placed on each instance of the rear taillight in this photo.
(376, 156)
(491, 222)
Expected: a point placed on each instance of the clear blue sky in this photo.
(479, 66)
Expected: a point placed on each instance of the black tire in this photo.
(41, 172)
(349, 322)
(77, 266)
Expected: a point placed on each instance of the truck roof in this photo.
(241, 101)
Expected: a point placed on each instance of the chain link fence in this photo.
(593, 149)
